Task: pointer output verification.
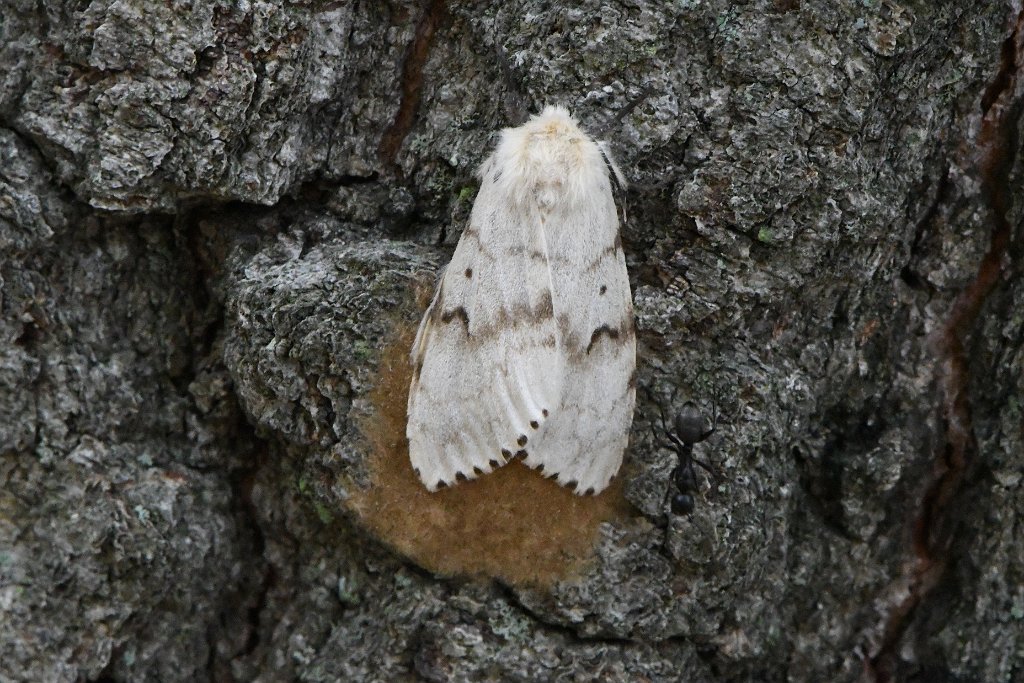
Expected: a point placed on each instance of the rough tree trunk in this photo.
(217, 223)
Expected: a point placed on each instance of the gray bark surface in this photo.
(215, 216)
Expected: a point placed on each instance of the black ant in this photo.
(689, 430)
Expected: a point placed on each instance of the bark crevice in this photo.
(957, 457)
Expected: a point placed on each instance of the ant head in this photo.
(689, 423)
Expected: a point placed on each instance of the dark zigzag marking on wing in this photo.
(458, 312)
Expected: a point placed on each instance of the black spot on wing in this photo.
(522, 454)
(522, 440)
(469, 273)
(534, 424)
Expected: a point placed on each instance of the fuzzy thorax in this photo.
(549, 161)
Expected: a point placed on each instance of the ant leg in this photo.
(677, 443)
(668, 445)
(661, 412)
(710, 469)
(714, 419)
(714, 422)
(673, 443)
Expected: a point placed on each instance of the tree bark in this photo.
(218, 224)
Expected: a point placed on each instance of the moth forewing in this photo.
(528, 349)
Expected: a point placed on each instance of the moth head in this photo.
(555, 122)
(553, 161)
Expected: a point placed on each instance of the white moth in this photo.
(528, 348)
